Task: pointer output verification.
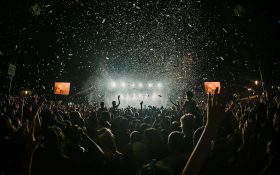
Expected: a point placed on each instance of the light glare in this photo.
(256, 82)
(113, 84)
(123, 84)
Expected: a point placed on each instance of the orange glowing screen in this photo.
(62, 88)
(210, 87)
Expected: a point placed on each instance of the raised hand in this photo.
(215, 109)
(215, 114)
(41, 100)
(30, 145)
(29, 138)
(21, 105)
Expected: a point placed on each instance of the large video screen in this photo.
(62, 88)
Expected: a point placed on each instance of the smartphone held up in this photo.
(210, 87)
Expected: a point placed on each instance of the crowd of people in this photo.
(227, 136)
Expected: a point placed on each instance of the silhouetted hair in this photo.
(176, 141)
(135, 136)
(76, 119)
(107, 139)
(189, 94)
(187, 121)
(102, 104)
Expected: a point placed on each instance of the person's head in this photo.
(135, 136)
(188, 124)
(147, 120)
(154, 141)
(102, 104)
(189, 95)
(75, 134)
(54, 138)
(152, 135)
(76, 119)
(165, 123)
(176, 141)
(107, 139)
(124, 124)
(175, 126)
(114, 103)
(143, 127)
(48, 118)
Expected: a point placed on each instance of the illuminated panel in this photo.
(211, 86)
(62, 88)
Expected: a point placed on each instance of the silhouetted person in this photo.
(191, 107)
(101, 109)
(114, 108)
(187, 125)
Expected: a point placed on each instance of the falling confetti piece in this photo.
(225, 30)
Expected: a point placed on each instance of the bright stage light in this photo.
(123, 84)
(113, 84)
(159, 85)
(140, 85)
(150, 85)
(133, 85)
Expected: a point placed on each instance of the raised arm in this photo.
(36, 110)
(119, 101)
(215, 114)
(29, 139)
(93, 145)
(177, 105)
(21, 106)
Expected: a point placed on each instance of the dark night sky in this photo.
(186, 41)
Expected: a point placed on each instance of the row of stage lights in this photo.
(133, 85)
(140, 96)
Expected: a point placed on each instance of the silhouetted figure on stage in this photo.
(190, 107)
(114, 108)
(101, 109)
